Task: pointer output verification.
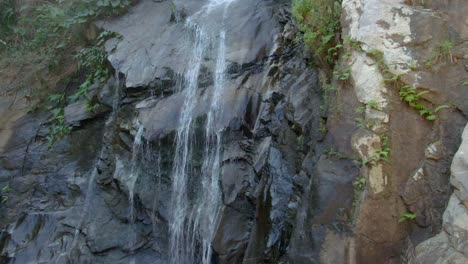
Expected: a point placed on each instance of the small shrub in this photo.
(360, 183)
(319, 20)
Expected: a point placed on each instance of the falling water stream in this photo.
(134, 172)
(178, 238)
(193, 222)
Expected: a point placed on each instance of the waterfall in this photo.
(179, 239)
(193, 222)
(209, 205)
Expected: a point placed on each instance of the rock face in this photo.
(405, 159)
(450, 245)
(105, 193)
(295, 183)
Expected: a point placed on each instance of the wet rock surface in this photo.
(70, 204)
(297, 185)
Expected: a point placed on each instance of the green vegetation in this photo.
(352, 44)
(407, 216)
(44, 34)
(385, 150)
(360, 183)
(319, 20)
(361, 122)
(409, 94)
(413, 98)
(49, 34)
(342, 74)
(7, 20)
(5, 191)
(359, 186)
(327, 92)
(360, 110)
(382, 154)
(58, 128)
(442, 52)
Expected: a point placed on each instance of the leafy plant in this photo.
(373, 104)
(44, 35)
(360, 183)
(342, 75)
(58, 128)
(352, 43)
(393, 78)
(383, 152)
(360, 110)
(408, 94)
(361, 122)
(407, 216)
(5, 191)
(445, 49)
(319, 20)
(378, 57)
(441, 52)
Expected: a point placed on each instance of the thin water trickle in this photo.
(157, 196)
(133, 177)
(92, 178)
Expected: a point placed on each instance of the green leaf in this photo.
(440, 107)
(407, 216)
(56, 97)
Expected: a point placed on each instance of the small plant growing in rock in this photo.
(373, 104)
(361, 122)
(444, 50)
(393, 78)
(378, 57)
(360, 183)
(410, 96)
(407, 216)
(342, 75)
(352, 43)
(5, 191)
(58, 128)
(441, 52)
(360, 110)
(413, 64)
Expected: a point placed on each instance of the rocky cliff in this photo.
(216, 141)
